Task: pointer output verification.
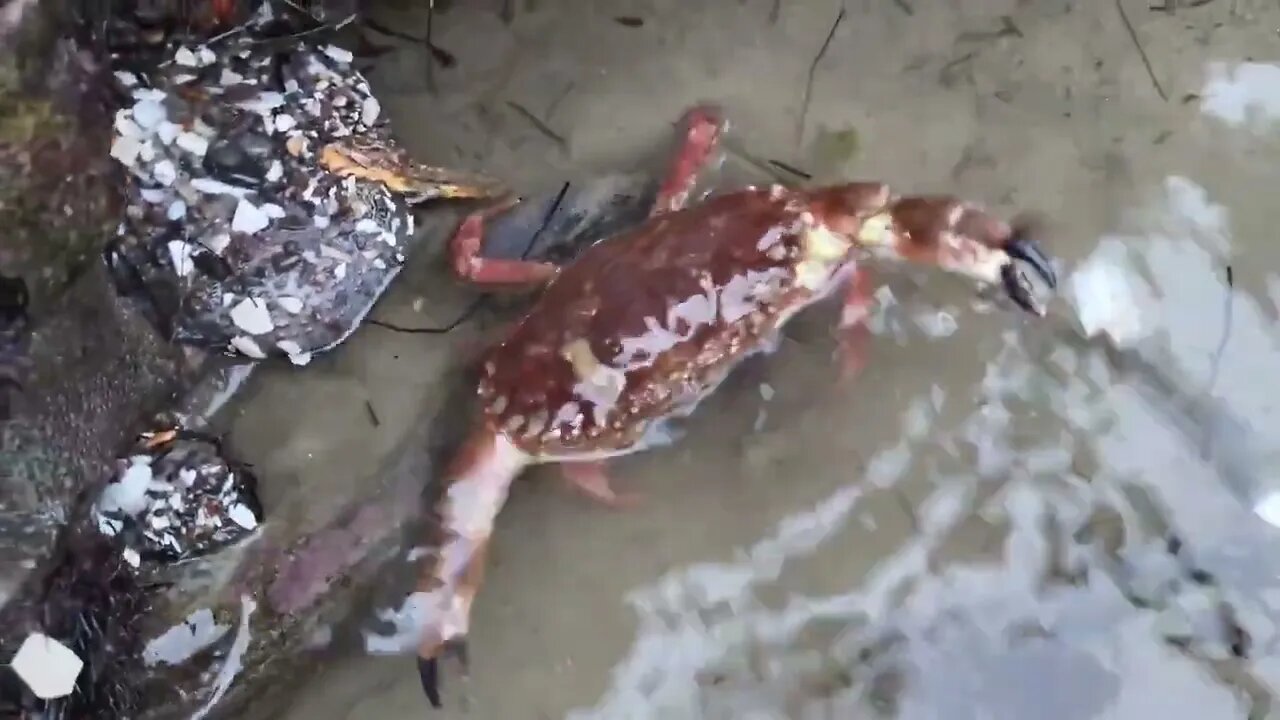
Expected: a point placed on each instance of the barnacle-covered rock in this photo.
(268, 206)
(177, 497)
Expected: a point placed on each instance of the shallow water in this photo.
(982, 525)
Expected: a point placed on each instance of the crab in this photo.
(641, 326)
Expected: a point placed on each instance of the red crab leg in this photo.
(475, 488)
(593, 480)
(468, 264)
(853, 333)
(700, 131)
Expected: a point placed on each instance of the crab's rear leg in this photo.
(592, 480)
(699, 133)
(853, 334)
(468, 264)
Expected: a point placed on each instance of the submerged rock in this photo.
(268, 205)
(177, 497)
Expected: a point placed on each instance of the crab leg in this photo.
(593, 481)
(465, 247)
(853, 333)
(700, 131)
(474, 488)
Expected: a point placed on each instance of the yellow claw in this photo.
(383, 162)
(876, 230)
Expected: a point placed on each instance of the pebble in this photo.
(247, 346)
(249, 218)
(296, 355)
(168, 132)
(125, 150)
(242, 516)
(128, 493)
(180, 256)
(251, 315)
(164, 172)
(340, 54)
(147, 114)
(370, 110)
(193, 143)
(48, 667)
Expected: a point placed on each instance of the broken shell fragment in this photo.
(48, 667)
(251, 315)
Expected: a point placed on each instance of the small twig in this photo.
(1142, 53)
(555, 104)
(431, 66)
(945, 75)
(767, 167)
(373, 414)
(905, 7)
(539, 125)
(1216, 362)
(466, 315)
(1008, 28)
(813, 66)
(442, 56)
(791, 169)
(907, 510)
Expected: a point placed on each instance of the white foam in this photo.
(1243, 94)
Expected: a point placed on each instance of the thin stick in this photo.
(539, 125)
(813, 66)
(1228, 305)
(431, 64)
(1142, 53)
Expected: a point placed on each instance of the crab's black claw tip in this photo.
(1019, 289)
(429, 673)
(1022, 246)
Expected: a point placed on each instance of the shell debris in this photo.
(48, 667)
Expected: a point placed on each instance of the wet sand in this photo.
(913, 543)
